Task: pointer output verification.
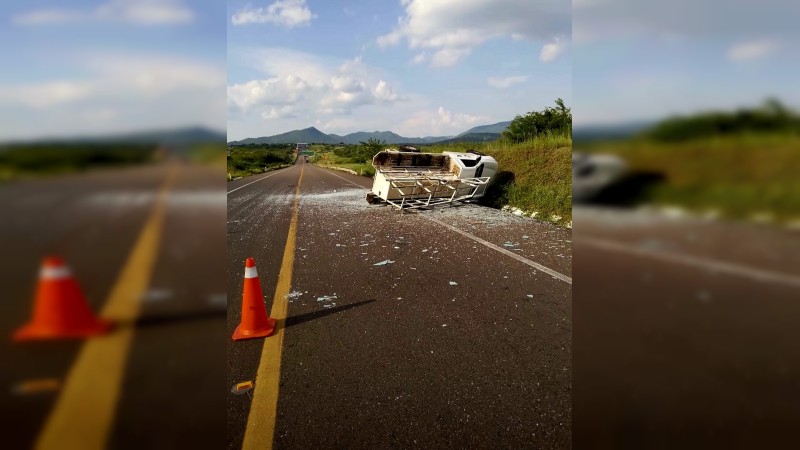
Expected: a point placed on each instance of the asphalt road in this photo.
(168, 391)
(448, 343)
(685, 332)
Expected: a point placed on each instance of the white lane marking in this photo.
(345, 179)
(693, 261)
(260, 179)
(522, 259)
(126, 199)
(519, 258)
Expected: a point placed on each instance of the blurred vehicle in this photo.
(593, 173)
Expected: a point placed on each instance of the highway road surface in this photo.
(448, 328)
(685, 332)
(146, 244)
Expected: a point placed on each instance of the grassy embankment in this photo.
(745, 175)
(249, 160)
(35, 159)
(534, 179)
(209, 153)
(351, 157)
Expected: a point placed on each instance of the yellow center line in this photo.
(264, 407)
(84, 411)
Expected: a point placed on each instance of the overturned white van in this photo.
(414, 180)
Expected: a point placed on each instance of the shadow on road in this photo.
(302, 318)
(497, 190)
(629, 191)
(168, 319)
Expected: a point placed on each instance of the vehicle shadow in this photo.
(631, 190)
(496, 192)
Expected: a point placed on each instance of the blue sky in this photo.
(639, 60)
(89, 67)
(414, 67)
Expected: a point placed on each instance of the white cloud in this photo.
(311, 85)
(117, 93)
(46, 94)
(419, 58)
(284, 112)
(452, 28)
(289, 13)
(552, 50)
(384, 93)
(503, 83)
(747, 51)
(447, 57)
(140, 12)
(597, 20)
(439, 122)
(115, 77)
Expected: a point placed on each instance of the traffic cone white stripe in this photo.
(55, 273)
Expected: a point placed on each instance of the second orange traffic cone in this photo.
(255, 323)
(60, 310)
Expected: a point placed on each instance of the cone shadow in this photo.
(303, 318)
(167, 319)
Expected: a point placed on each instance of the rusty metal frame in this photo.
(424, 188)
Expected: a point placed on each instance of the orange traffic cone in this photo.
(255, 322)
(60, 310)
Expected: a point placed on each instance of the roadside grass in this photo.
(44, 159)
(246, 161)
(327, 158)
(209, 153)
(739, 176)
(534, 178)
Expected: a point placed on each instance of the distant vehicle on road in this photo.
(591, 173)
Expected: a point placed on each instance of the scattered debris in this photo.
(530, 295)
(703, 296)
(36, 386)
(453, 283)
(653, 244)
(383, 263)
(242, 388)
(510, 244)
(157, 295)
(293, 295)
(326, 298)
(218, 300)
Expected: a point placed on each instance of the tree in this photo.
(373, 145)
(556, 120)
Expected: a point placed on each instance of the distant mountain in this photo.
(472, 137)
(389, 137)
(313, 135)
(310, 135)
(496, 128)
(176, 136)
(588, 133)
